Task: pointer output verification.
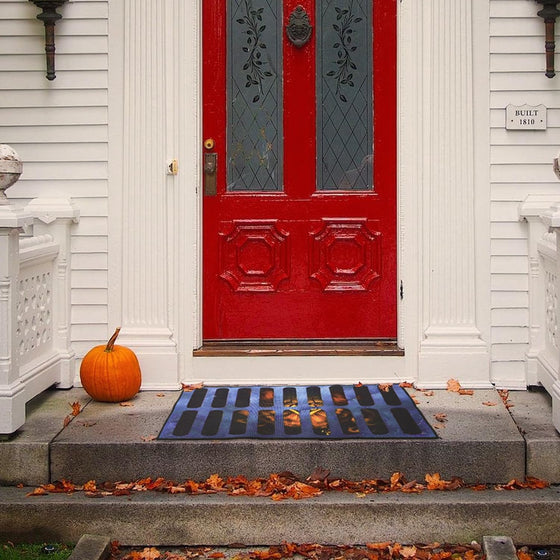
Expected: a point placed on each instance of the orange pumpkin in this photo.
(111, 373)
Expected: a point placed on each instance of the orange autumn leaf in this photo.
(215, 482)
(76, 408)
(379, 545)
(37, 492)
(435, 482)
(67, 421)
(384, 387)
(408, 551)
(466, 392)
(489, 403)
(536, 483)
(192, 387)
(217, 555)
(453, 386)
(441, 417)
(90, 486)
(406, 385)
(522, 555)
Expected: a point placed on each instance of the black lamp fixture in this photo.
(49, 17)
(549, 13)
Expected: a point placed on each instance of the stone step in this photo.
(110, 442)
(152, 518)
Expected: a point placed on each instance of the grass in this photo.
(10, 551)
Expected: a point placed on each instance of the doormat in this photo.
(296, 412)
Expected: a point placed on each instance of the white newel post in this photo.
(12, 393)
(550, 377)
(149, 40)
(54, 217)
(12, 221)
(451, 341)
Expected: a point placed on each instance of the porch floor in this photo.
(110, 442)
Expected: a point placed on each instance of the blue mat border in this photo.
(395, 432)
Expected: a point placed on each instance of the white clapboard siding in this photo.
(521, 164)
(60, 130)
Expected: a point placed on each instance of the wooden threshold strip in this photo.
(234, 348)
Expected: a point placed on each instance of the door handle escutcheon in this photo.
(210, 175)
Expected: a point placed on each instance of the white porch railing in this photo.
(542, 213)
(35, 350)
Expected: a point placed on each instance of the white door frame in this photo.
(155, 218)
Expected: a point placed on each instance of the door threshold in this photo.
(238, 348)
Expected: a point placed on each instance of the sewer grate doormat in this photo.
(296, 412)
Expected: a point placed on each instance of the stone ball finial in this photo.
(11, 167)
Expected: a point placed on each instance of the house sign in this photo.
(526, 117)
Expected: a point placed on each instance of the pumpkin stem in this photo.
(112, 340)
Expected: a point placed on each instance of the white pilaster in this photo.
(451, 342)
(144, 273)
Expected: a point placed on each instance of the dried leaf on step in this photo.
(453, 386)
(384, 387)
(37, 492)
(489, 403)
(441, 417)
(76, 408)
(466, 392)
(193, 387)
(408, 551)
(126, 403)
(148, 438)
(406, 385)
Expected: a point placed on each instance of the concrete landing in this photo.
(477, 442)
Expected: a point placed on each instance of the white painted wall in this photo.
(60, 131)
(521, 164)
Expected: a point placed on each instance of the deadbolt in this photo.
(209, 143)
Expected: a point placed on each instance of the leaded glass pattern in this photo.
(254, 118)
(344, 95)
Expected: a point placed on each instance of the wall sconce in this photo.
(549, 13)
(49, 17)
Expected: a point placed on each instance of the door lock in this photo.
(210, 168)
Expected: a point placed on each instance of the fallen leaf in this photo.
(360, 494)
(67, 421)
(126, 403)
(453, 386)
(441, 417)
(217, 555)
(536, 483)
(359, 384)
(76, 408)
(379, 545)
(384, 387)
(193, 387)
(160, 394)
(466, 392)
(37, 492)
(90, 486)
(406, 385)
(522, 555)
(426, 393)
(408, 551)
(148, 438)
(489, 403)
(479, 487)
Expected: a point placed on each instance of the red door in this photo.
(300, 169)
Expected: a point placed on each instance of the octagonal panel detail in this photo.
(345, 255)
(254, 255)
